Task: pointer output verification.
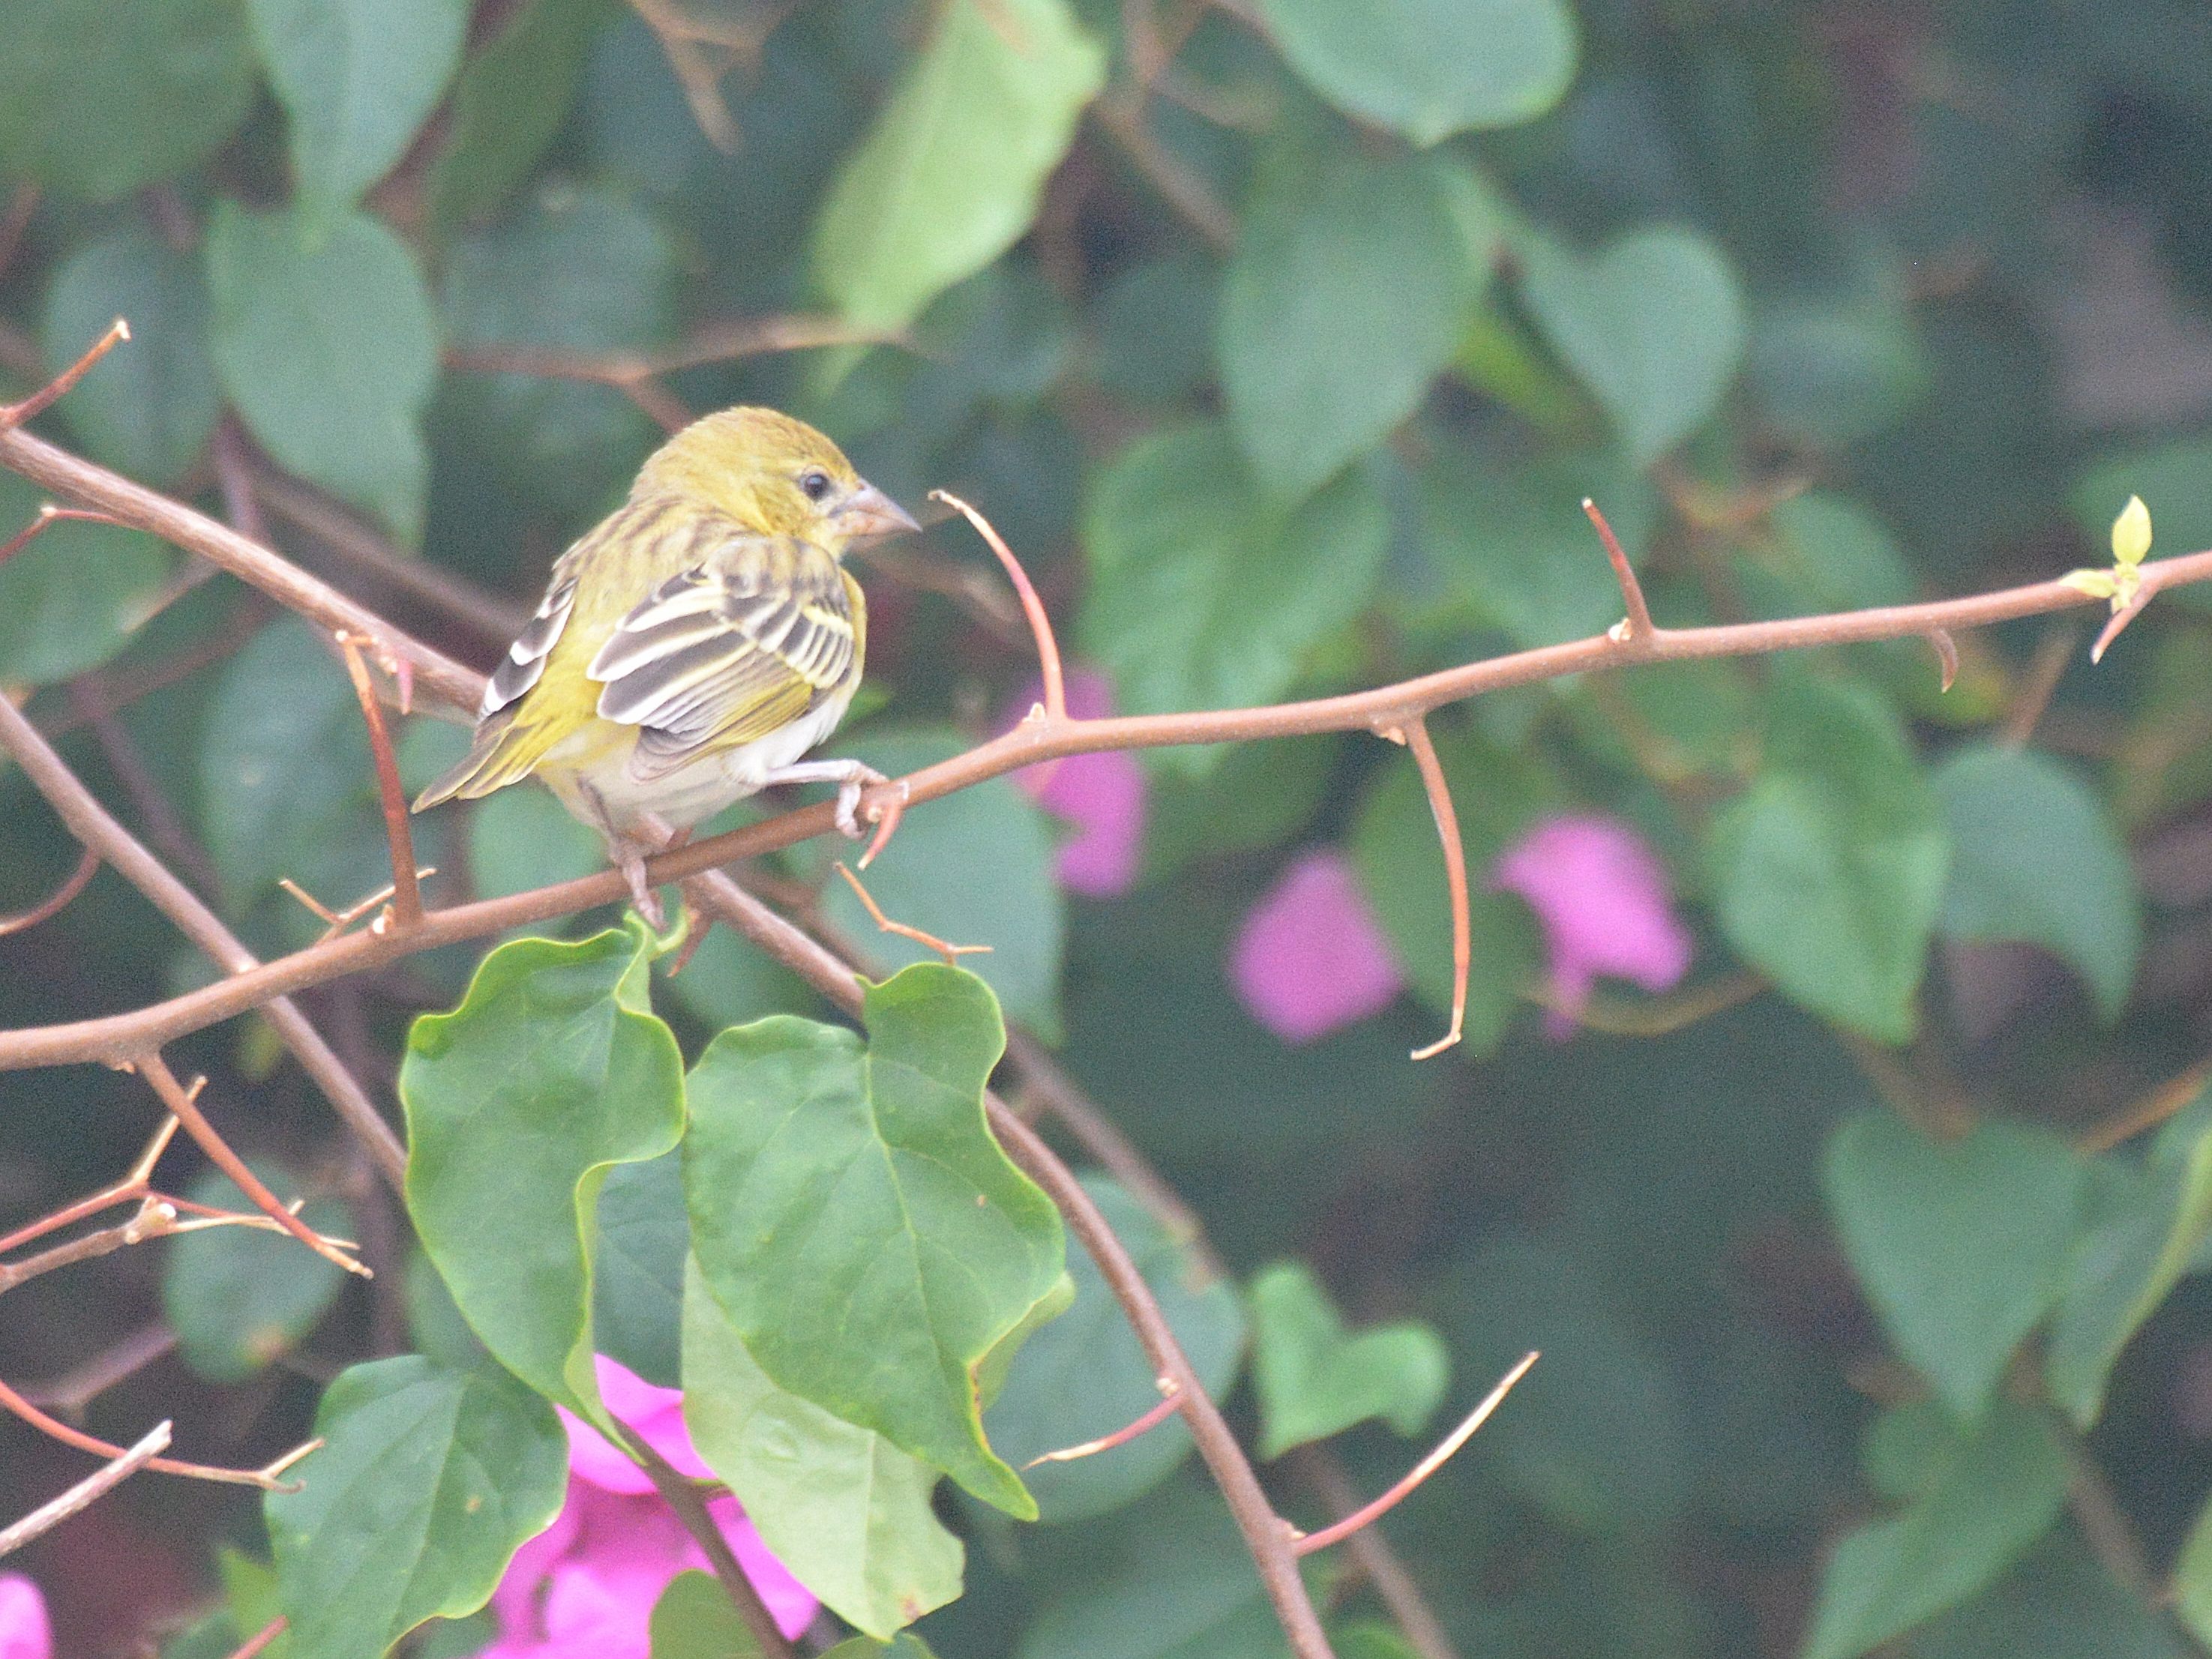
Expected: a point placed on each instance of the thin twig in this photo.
(1371, 1554)
(2054, 652)
(164, 824)
(1122, 116)
(951, 953)
(88, 866)
(45, 519)
(97, 1485)
(1650, 1017)
(82, 1383)
(1638, 625)
(1145, 1425)
(267, 1477)
(14, 415)
(1421, 1471)
(406, 895)
(2148, 1113)
(1048, 647)
(179, 1101)
(261, 1639)
(15, 221)
(92, 824)
(1415, 735)
(135, 1184)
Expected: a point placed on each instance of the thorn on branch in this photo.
(1415, 735)
(407, 894)
(1946, 654)
(1308, 1543)
(47, 515)
(336, 921)
(2127, 613)
(1048, 647)
(88, 864)
(14, 415)
(883, 811)
(951, 953)
(1151, 1419)
(180, 1102)
(1636, 628)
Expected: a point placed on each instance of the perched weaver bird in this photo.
(693, 644)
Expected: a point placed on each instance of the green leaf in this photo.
(1204, 596)
(2192, 1578)
(844, 1510)
(1315, 1379)
(905, 1646)
(2056, 1601)
(2037, 859)
(1349, 290)
(694, 1619)
(330, 355)
(949, 177)
(508, 104)
(1369, 1640)
(356, 79)
(148, 407)
(75, 595)
(286, 780)
(2145, 1226)
(858, 1222)
(1654, 325)
(1509, 539)
(431, 1481)
(1995, 1494)
(1961, 1246)
(1828, 872)
(551, 1070)
(974, 867)
(238, 1298)
(574, 270)
(1428, 69)
(637, 1286)
(99, 110)
(1085, 1374)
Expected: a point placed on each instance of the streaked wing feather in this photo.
(524, 662)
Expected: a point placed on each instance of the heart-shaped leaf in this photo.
(1316, 1379)
(859, 1225)
(1961, 1248)
(1654, 327)
(552, 1071)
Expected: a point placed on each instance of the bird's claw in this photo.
(848, 800)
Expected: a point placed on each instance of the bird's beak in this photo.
(868, 512)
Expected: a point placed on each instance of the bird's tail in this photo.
(503, 751)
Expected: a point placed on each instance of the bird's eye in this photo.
(815, 483)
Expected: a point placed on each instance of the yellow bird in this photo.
(693, 644)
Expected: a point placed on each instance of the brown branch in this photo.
(1415, 735)
(94, 825)
(1122, 116)
(1638, 625)
(1265, 1534)
(48, 516)
(2148, 1113)
(183, 1103)
(1048, 647)
(268, 1477)
(15, 221)
(1373, 1557)
(691, 1507)
(406, 895)
(54, 468)
(88, 866)
(2054, 653)
(165, 827)
(93, 1486)
(14, 415)
(82, 1383)
(1421, 1471)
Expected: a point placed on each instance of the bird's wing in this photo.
(730, 650)
(523, 665)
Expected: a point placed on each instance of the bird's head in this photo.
(772, 473)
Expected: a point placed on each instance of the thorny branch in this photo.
(454, 691)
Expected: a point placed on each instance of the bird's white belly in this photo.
(698, 790)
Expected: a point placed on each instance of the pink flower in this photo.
(1101, 795)
(585, 1587)
(24, 1631)
(1601, 894)
(1309, 957)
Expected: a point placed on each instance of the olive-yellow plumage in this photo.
(694, 644)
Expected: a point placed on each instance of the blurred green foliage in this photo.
(1284, 339)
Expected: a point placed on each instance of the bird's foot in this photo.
(851, 777)
(642, 896)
